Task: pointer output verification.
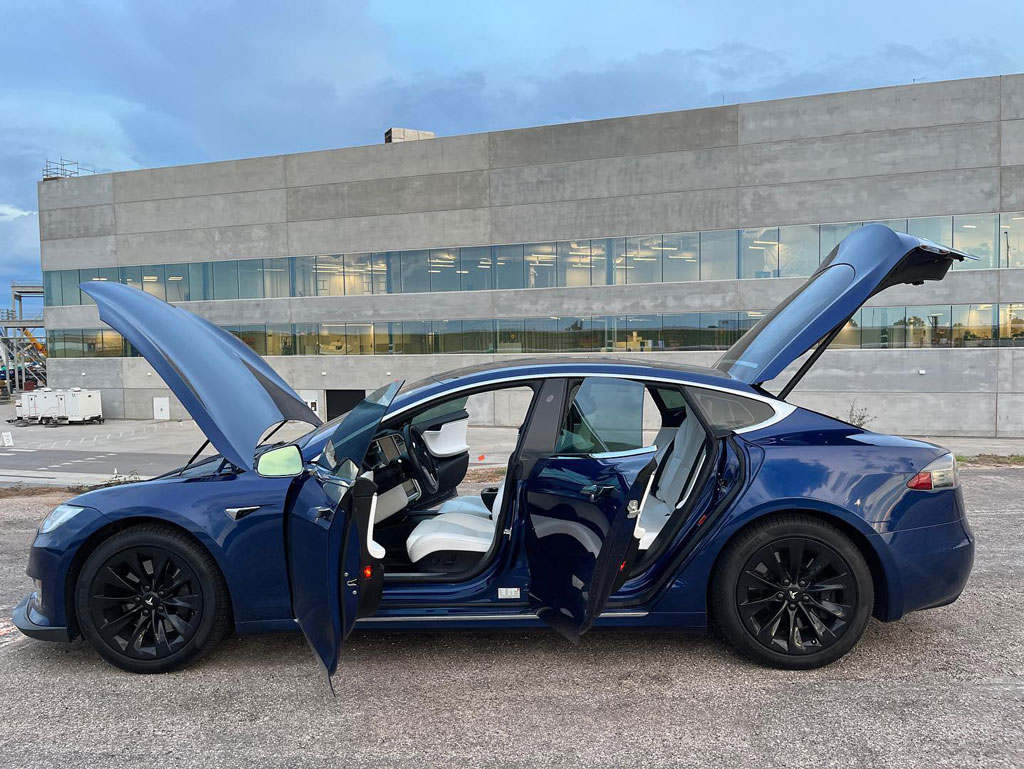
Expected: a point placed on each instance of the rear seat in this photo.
(677, 462)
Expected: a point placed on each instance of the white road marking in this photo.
(5, 454)
(23, 449)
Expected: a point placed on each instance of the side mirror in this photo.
(282, 462)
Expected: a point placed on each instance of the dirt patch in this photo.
(991, 460)
(484, 474)
(14, 492)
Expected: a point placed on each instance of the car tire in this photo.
(149, 599)
(793, 622)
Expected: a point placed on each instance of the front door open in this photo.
(333, 574)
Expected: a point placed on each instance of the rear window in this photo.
(731, 412)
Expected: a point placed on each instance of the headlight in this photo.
(61, 514)
(940, 474)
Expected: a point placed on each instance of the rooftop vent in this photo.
(395, 135)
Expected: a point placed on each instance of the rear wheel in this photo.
(793, 592)
(149, 600)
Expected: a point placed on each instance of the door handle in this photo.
(235, 513)
(596, 492)
(327, 513)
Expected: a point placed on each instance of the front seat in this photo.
(451, 541)
(472, 504)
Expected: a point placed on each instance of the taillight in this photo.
(940, 474)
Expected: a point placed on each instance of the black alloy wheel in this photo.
(149, 599)
(792, 591)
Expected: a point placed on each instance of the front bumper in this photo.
(34, 624)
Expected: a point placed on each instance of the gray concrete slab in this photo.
(939, 688)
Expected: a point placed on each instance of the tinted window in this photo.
(731, 412)
(605, 415)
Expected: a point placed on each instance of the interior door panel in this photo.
(448, 439)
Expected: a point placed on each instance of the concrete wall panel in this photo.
(1012, 87)
(867, 198)
(1011, 188)
(908, 150)
(201, 211)
(243, 242)
(88, 190)
(1012, 142)
(614, 177)
(264, 173)
(645, 134)
(911, 413)
(80, 222)
(379, 161)
(72, 253)
(876, 109)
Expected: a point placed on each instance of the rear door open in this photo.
(864, 263)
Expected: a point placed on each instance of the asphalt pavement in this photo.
(939, 688)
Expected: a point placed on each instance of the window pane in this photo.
(718, 255)
(977, 235)
(759, 253)
(102, 274)
(51, 289)
(358, 274)
(605, 415)
(509, 335)
(681, 252)
(643, 333)
(573, 264)
(303, 276)
(177, 282)
(643, 259)
(276, 278)
(444, 269)
(541, 265)
(508, 266)
(307, 338)
(883, 327)
(849, 338)
(359, 338)
(332, 339)
(448, 336)
(86, 275)
(55, 341)
(730, 412)
(575, 334)
(541, 335)
(73, 343)
(130, 276)
(681, 332)
(975, 325)
(153, 281)
(392, 266)
(608, 261)
(111, 344)
(1011, 239)
(330, 275)
(386, 336)
(478, 335)
(606, 335)
(415, 336)
(225, 280)
(69, 287)
(476, 268)
(255, 336)
(92, 342)
(830, 236)
(718, 330)
(798, 250)
(415, 278)
(200, 281)
(280, 339)
(250, 279)
(929, 326)
(938, 229)
(1011, 325)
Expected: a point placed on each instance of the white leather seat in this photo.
(675, 470)
(472, 504)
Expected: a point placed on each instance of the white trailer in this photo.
(43, 406)
(78, 405)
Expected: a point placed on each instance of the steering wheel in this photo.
(421, 459)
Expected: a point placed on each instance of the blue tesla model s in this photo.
(637, 495)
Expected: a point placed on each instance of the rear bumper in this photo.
(34, 624)
(933, 563)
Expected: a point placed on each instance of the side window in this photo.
(604, 415)
(730, 412)
(443, 412)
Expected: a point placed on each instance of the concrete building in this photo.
(660, 235)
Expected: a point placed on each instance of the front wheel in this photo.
(149, 599)
(792, 591)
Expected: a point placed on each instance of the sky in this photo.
(125, 85)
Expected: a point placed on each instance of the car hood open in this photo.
(866, 261)
(231, 392)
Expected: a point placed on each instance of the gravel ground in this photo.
(939, 688)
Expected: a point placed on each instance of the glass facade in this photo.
(958, 325)
(764, 252)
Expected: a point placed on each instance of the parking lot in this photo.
(939, 688)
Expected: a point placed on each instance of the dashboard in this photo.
(397, 489)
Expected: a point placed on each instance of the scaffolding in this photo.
(64, 169)
(22, 354)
